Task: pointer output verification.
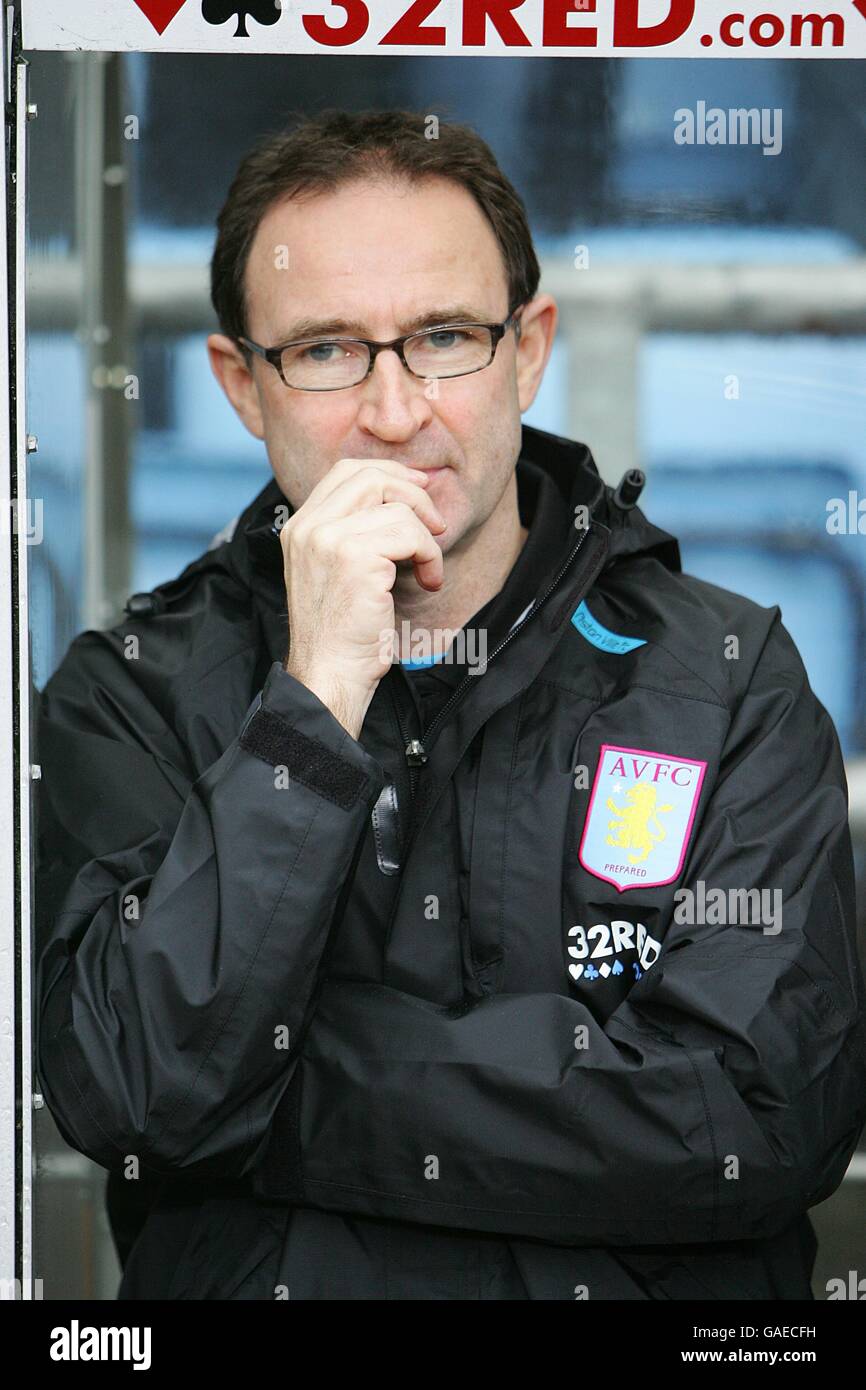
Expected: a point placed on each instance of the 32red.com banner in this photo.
(501, 28)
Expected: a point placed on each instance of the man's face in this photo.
(378, 259)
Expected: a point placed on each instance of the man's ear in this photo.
(236, 379)
(537, 322)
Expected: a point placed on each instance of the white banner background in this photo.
(533, 28)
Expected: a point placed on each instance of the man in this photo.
(524, 974)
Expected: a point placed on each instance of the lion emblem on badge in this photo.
(635, 823)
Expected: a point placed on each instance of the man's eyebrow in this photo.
(353, 328)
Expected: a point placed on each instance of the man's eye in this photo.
(446, 338)
(322, 352)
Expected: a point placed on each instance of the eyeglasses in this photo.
(434, 354)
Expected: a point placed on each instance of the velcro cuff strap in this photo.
(308, 761)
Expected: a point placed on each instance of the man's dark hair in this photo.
(323, 152)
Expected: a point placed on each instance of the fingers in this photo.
(392, 531)
(370, 488)
(372, 469)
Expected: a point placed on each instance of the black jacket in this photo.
(365, 1026)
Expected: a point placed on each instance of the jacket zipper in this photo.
(414, 750)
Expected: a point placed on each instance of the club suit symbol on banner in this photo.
(218, 11)
(640, 816)
(160, 12)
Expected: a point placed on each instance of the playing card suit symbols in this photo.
(160, 12)
(263, 11)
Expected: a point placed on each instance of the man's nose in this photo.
(393, 401)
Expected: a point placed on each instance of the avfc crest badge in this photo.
(640, 816)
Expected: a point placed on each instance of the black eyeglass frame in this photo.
(274, 355)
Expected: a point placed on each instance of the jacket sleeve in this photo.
(181, 919)
(721, 1099)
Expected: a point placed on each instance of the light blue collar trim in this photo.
(423, 664)
(600, 636)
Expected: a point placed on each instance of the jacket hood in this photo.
(256, 555)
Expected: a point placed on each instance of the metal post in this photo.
(603, 350)
(101, 217)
